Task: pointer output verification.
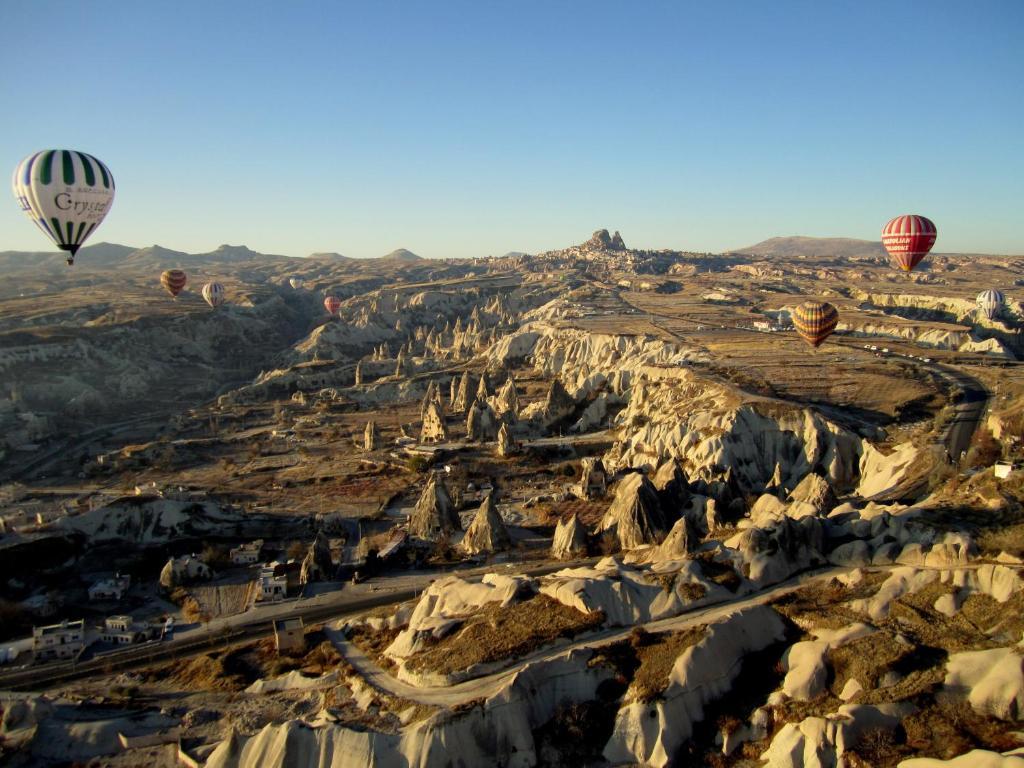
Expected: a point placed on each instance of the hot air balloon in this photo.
(990, 302)
(908, 239)
(214, 294)
(173, 280)
(815, 321)
(295, 282)
(331, 304)
(66, 193)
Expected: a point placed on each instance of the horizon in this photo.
(414, 252)
(467, 131)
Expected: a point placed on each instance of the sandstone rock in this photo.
(179, 571)
(570, 539)
(507, 402)
(371, 440)
(672, 485)
(593, 478)
(822, 741)
(992, 680)
(816, 491)
(976, 758)
(487, 532)
(434, 515)
(464, 396)
(681, 540)
(506, 445)
(434, 429)
(635, 515)
(481, 422)
(317, 565)
(651, 733)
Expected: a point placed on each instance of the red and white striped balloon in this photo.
(908, 239)
(331, 304)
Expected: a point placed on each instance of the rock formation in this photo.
(487, 532)
(506, 404)
(506, 445)
(557, 404)
(483, 390)
(317, 565)
(371, 439)
(635, 515)
(464, 396)
(815, 491)
(570, 539)
(184, 570)
(481, 422)
(672, 485)
(593, 479)
(433, 429)
(434, 515)
(432, 395)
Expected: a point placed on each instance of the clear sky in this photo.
(475, 128)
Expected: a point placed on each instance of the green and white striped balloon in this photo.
(66, 193)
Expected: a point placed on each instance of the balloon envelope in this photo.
(214, 294)
(66, 193)
(331, 304)
(815, 321)
(990, 302)
(295, 282)
(908, 239)
(173, 280)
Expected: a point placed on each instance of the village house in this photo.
(289, 636)
(272, 586)
(58, 641)
(110, 589)
(247, 554)
(122, 630)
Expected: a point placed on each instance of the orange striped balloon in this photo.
(173, 281)
(908, 239)
(815, 321)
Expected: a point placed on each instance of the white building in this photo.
(110, 589)
(122, 630)
(59, 641)
(272, 586)
(247, 554)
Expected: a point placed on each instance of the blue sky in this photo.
(474, 128)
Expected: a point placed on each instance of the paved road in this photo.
(257, 623)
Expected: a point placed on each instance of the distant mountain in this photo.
(112, 255)
(158, 256)
(329, 256)
(97, 255)
(514, 255)
(844, 247)
(234, 253)
(402, 255)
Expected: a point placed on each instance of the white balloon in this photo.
(66, 193)
(990, 302)
(214, 294)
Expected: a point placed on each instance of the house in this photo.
(272, 586)
(289, 636)
(110, 589)
(122, 630)
(247, 554)
(58, 641)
